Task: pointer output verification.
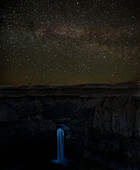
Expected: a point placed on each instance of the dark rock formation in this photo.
(104, 120)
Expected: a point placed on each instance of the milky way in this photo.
(60, 42)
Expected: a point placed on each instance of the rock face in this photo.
(103, 121)
(118, 115)
(7, 113)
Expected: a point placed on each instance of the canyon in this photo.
(101, 123)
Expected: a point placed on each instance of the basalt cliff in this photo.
(101, 121)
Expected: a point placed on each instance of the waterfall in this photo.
(60, 145)
(60, 149)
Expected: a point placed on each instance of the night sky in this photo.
(61, 42)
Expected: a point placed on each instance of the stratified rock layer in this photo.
(103, 120)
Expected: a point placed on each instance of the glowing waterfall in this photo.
(60, 145)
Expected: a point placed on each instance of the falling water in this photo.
(60, 149)
(60, 145)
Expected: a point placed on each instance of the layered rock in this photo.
(103, 120)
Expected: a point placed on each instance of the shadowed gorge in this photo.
(101, 124)
(69, 85)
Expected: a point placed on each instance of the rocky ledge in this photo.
(104, 119)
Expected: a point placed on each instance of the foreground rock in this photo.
(104, 120)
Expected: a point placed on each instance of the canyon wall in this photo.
(104, 122)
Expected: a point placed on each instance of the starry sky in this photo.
(64, 42)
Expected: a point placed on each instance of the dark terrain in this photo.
(103, 121)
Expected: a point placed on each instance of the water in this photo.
(60, 145)
(60, 149)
